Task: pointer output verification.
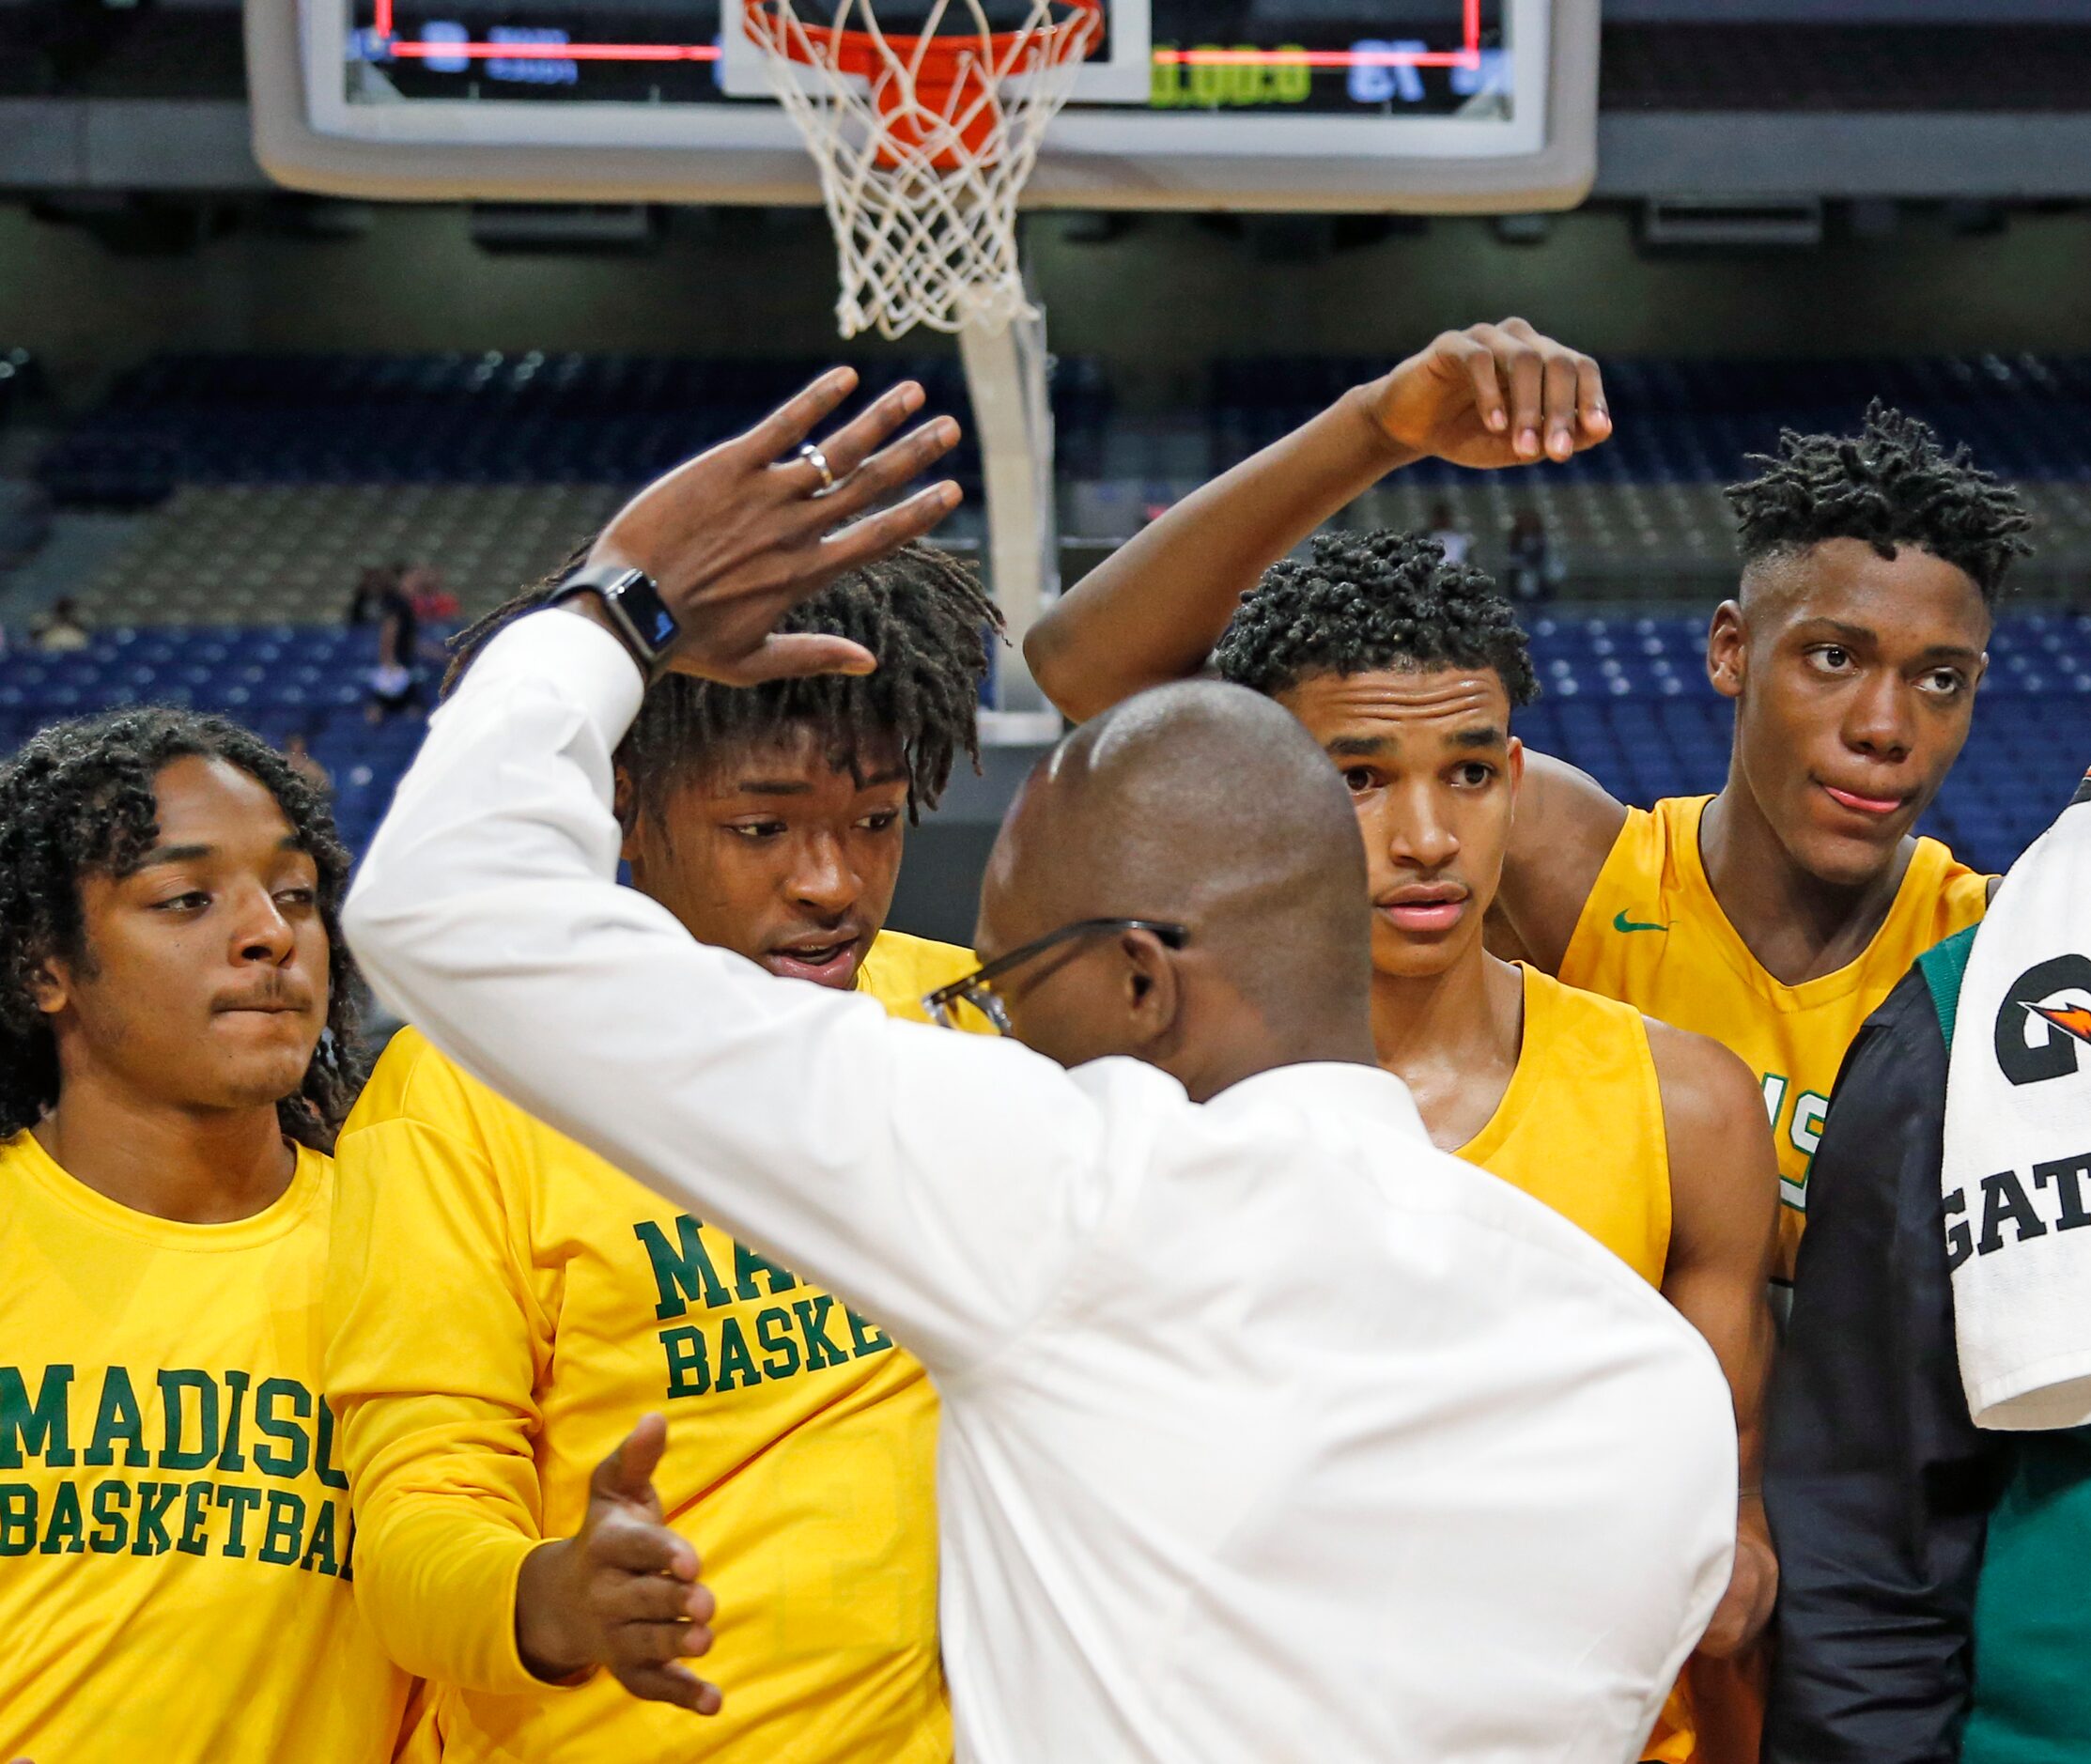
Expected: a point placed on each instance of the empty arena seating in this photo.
(1646, 511)
(267, 482)
(461, 419)
(1625, 699)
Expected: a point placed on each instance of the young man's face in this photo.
(777, 853)
(1433, 772)
(203, 982)
(1854, 678)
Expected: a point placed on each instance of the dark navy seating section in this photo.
(1692, 421)
(465, 419)
(1627, 699)
(535, 418)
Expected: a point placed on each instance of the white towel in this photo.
(2016, 1172)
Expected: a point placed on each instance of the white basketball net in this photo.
(921, 177)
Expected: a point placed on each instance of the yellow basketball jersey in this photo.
(1652, 935)
(1580, 1126)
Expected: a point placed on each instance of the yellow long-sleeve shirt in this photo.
(504, 1305)
(175, 1541)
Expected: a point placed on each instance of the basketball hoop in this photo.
(924, 142)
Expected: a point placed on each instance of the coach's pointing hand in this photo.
(737, 536)
(622, 1592)
(1492, 395)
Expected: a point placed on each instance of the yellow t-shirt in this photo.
(504, 1306)
(1652, 935)
(1580, 1128)
(175, 1536)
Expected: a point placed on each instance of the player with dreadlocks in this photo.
(1773, 916)
(178, 1046)
(513, 1533)
(1408, 670)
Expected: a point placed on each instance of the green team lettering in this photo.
(18, 1519)
(773, 1331)
(195, 1516)
(111, 1502)
(688, 1363)
(39, 1428)
(720, 1357)
(288, 1464)
(868, 1337)
(174, 1455)
(682, 1270)
(746, 1264)
(117, 1417)
(284, 1528)
(238, 1502)
(150, 1536)
(320, 1548)
(67, 1532)
(232, 1458)
(737, 1366)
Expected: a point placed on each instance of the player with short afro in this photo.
(178, 1046)
(1360, 602)
(564, 1300)
(1892, 485)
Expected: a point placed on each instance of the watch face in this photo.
(638, 606)
(655, 623)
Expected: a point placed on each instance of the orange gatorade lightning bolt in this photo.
(2072, 1020)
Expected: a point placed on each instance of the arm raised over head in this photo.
(933, 1180)
(1488, 396)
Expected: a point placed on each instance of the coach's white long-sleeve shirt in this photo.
(1270, 1433)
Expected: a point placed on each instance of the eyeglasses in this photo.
(977, 989)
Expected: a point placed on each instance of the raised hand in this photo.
(738, 536)
(1493, 395)
(623, 1591)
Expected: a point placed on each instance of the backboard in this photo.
(1389, 105)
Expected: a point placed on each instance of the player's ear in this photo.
(51, 985)
(1727, 643)
(624, 805)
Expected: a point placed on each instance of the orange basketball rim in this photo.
(939, 93)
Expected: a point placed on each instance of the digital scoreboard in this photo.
(1330, 104)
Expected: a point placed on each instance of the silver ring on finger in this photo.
(818, 460)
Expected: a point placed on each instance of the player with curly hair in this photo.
(1773, 916)
(514, 1533)
(1408, 669)
(177, 1046)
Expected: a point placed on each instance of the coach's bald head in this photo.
(1205, 805)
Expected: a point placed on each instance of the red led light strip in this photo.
(1469, 56)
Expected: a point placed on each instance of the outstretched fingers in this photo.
(877, 536)
(862, 436)
(787, 426)
(890, 468)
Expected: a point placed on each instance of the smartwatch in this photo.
(636, 612)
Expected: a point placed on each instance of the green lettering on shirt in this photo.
(681, 1272)
(37, 1428)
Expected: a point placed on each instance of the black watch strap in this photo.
(633, 602)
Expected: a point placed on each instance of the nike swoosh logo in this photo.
(1621, 923)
